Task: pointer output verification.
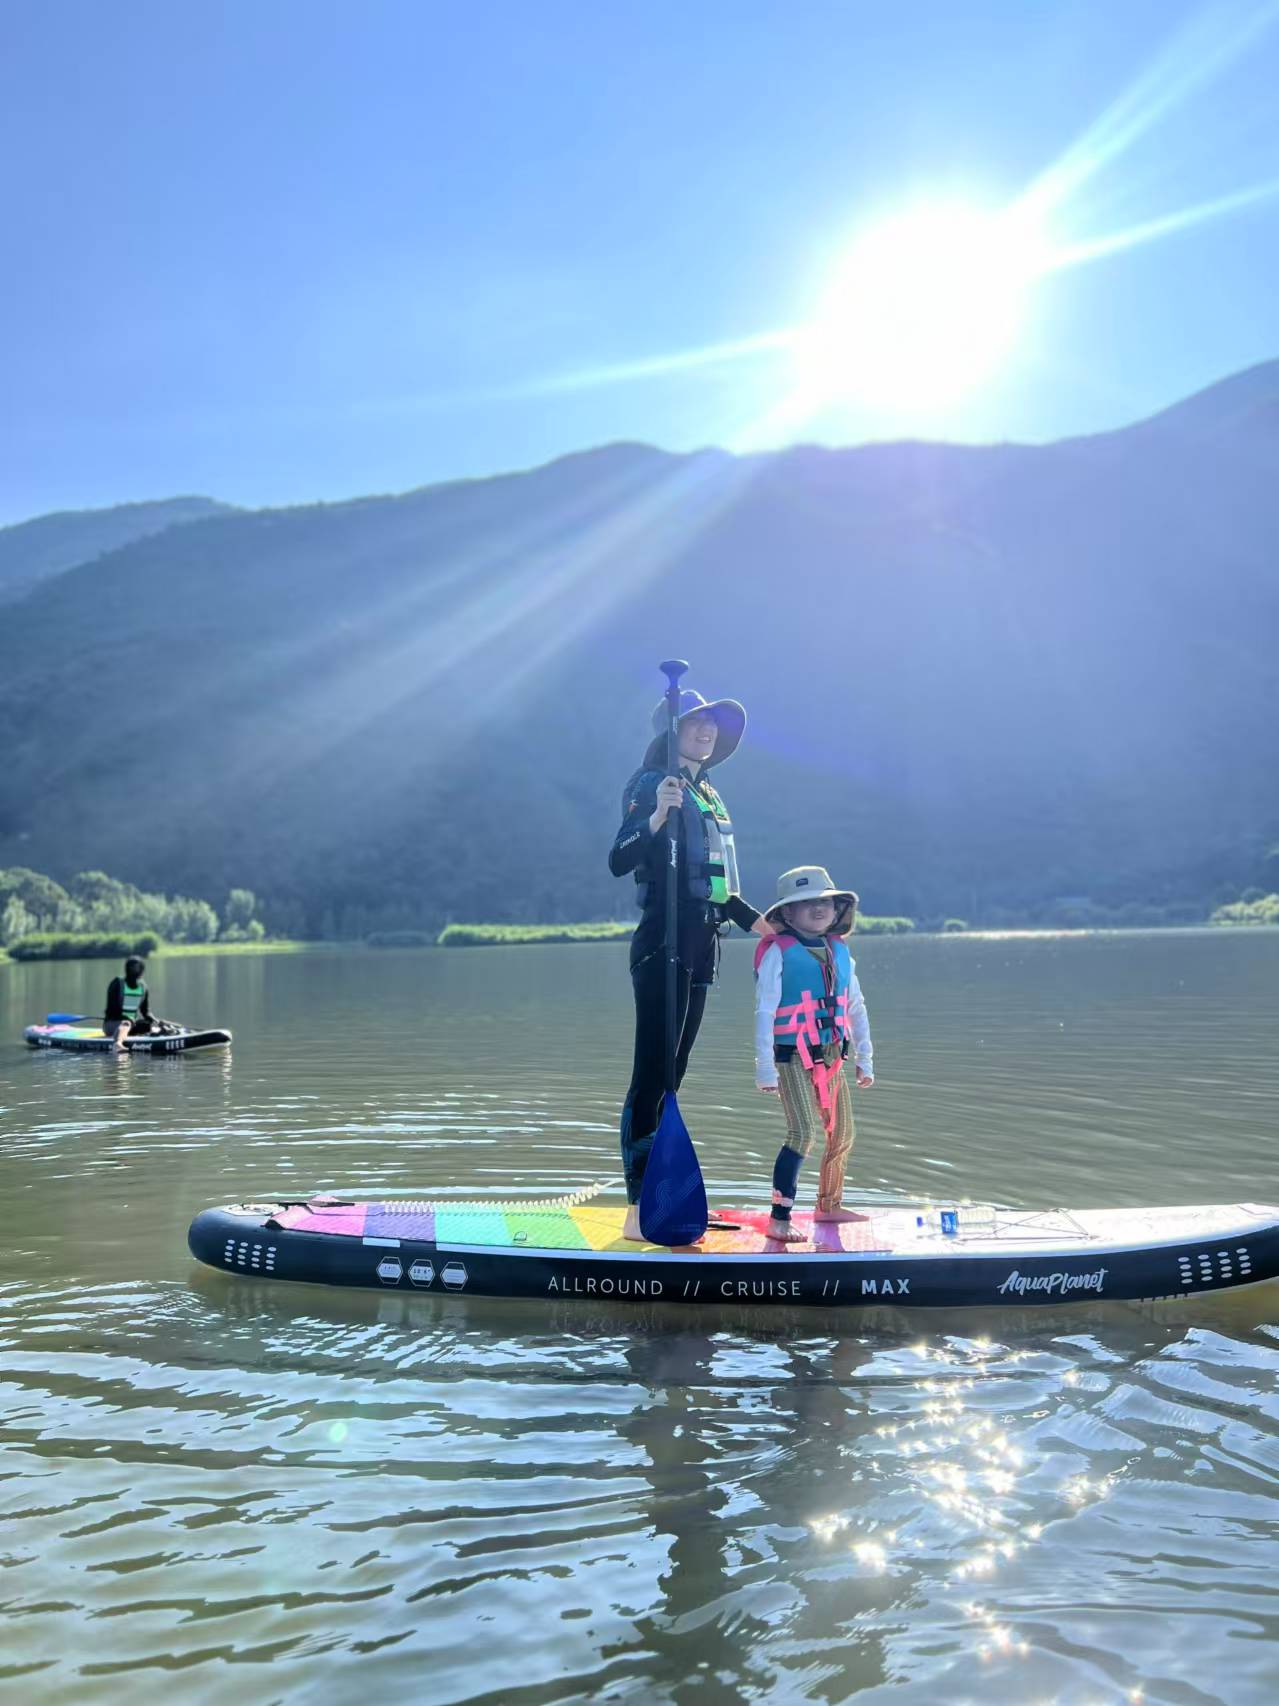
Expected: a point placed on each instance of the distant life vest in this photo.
(813, 1009)
(131, 998)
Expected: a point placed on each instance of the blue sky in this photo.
(279, 252)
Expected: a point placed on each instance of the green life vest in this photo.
(131, 998)
(710, 858)
(719, 859)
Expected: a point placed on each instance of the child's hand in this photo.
(864, 1079)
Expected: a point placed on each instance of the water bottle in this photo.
(949, 1222)
(978, 1220)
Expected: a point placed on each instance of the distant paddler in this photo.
(707, 896)
(128, 1004)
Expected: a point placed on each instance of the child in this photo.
(808, 1011)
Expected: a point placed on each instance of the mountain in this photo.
(32, 551)
(1245, 404)
(1004, 682)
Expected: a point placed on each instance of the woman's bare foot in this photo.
(840, 1215)
(631, 1230)
(783, 1231)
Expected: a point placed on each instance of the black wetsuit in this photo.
(114, 1014)
(636, 849)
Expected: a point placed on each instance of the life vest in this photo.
(710, 856)
(707, 827)
(131, 998)
(813, 1008)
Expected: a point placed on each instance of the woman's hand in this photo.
(762, 927)
(864, 1079)
(670, 793)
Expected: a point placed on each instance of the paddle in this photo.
(672, 1206)
(65, 1018)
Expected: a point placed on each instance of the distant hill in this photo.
(31, 551)
(1245, 405)
(1004, 682)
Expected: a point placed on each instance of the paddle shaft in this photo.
(672, 670)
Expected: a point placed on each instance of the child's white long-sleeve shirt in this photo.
(768, 995)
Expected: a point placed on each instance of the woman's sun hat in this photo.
(812, 882)
(728, 714)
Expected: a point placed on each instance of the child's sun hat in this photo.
(812, 882)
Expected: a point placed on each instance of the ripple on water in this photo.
(224, 1491)
(279, 1477)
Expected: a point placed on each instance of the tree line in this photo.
(93, 903)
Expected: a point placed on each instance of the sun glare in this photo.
(923, 307)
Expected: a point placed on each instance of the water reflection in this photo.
(765, 1506)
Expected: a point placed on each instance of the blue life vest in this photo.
(813, 1008)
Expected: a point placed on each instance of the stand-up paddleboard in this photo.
(895, 1254)
(94, 1040)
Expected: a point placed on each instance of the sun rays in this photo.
(928, 301)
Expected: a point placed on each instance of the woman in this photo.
(707, 897)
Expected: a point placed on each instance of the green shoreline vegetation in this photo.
(268, 945)
(510, 935)
(98, 917)
(96, 948)
(506, 936)
(47, 945)
(95, 916)
(1251, 910)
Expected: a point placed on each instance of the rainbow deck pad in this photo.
(92, 1039)
(897, 1254)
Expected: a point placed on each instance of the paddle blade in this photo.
(672, 1206)
(64, 1018)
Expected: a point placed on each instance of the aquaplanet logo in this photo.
(1059, 1283)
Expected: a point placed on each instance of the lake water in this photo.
(218, 1490)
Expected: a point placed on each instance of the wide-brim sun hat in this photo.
(811, 882)
(729, 716)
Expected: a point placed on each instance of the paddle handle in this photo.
(672, 669)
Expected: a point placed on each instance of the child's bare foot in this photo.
(841, 1215)
(783, 1231)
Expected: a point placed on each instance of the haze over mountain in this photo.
(999, 682)
(33, 550)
